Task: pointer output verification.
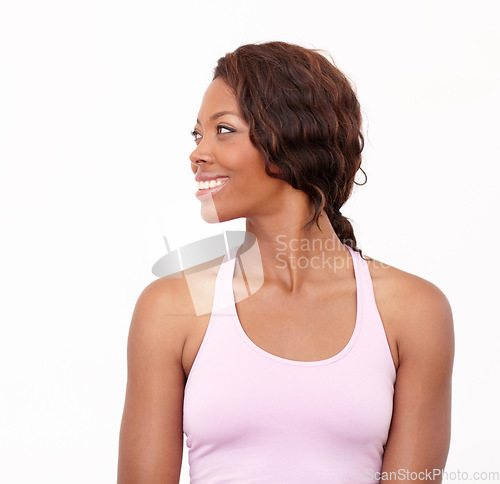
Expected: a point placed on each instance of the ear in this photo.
(274, 169)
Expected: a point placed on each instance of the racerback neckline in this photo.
(230, 263)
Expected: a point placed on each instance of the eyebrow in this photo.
(219, 115)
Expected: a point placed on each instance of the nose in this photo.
(201, 154)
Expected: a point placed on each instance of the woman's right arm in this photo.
(151, 434)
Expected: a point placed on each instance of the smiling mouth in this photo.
(208, 191)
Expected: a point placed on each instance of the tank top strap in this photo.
(223, 294)
(364, 285)
(374, 337)
(362, 275)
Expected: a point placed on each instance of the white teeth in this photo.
(209, 184)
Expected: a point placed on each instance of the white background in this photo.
(97, 101)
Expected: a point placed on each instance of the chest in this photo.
(298, 327)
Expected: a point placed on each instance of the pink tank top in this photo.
(254, 417)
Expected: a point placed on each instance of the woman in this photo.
(313, 363)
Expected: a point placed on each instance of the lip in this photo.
(206, 176)
(207, 193)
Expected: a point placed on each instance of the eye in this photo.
(221, 127)
(196, 135)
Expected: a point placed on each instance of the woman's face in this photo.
(223, 147)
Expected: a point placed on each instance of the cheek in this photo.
(255, 165)
(247, 168)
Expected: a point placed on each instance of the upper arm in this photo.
(151, 434)
(419, 436)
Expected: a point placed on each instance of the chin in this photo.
(210, 214)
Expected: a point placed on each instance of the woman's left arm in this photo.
(419, 437)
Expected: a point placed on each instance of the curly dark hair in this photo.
(304, 118)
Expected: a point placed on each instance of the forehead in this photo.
(218, 97)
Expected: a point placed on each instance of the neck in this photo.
(289, 256)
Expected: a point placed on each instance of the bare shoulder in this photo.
(174, 300)
(174, 290)
(414, 310)
(406, 288)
